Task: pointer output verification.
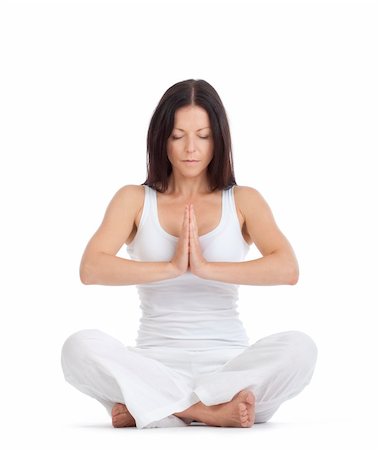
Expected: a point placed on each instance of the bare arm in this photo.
(115, 271)
(99, 263)
(269, 270)
(278, 264)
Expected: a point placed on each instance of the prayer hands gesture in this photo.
(188, 254)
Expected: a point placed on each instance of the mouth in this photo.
(191, 160)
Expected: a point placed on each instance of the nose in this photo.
(190, 144)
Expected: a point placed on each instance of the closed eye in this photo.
(179, 137)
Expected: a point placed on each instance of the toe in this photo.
(244, 423)
(242, 408)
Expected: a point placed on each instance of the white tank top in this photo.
(188, 311)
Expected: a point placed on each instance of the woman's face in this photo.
(190, 140)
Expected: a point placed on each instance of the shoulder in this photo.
(130, 195)
(131, 190)
(248, 199)
(245, 191)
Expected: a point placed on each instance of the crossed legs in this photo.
(239, 412)
(248, 389)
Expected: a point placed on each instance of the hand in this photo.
(180, 261)
(197, 262)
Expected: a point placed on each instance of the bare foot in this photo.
(121, 417)
(239, 412)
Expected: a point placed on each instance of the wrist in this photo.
(173, 270)
(205, 270)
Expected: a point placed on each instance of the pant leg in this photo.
(104, 368)
(275, 369)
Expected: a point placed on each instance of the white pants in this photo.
(156, 383)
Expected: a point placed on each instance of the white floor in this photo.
(81, 422)
(272, 435)
(60, 417)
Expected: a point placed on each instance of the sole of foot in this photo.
(239, 412)
(121, 417)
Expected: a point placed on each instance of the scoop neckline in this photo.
(203, 236)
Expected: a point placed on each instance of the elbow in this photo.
(293, 275)
(288, 269)
(85, 274)
(293, 279)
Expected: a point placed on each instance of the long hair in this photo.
(189, 92)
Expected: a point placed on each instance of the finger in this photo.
(185, 218)
(193, 221)
(190, 218)
(193, 211)
(186, 230)
(193, 237)
(188, 226)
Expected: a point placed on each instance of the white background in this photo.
(79, 83)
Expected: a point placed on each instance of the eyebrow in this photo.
(196, 130)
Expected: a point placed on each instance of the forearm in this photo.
(273, 269)
(112, 270)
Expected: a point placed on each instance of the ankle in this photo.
(200, 412)
(193, 413)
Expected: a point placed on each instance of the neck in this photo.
(188, 188)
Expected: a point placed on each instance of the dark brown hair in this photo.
(189, 92)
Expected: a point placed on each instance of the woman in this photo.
(187, 230)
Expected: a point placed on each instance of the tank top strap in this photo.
(146, 206)
(232, 211)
